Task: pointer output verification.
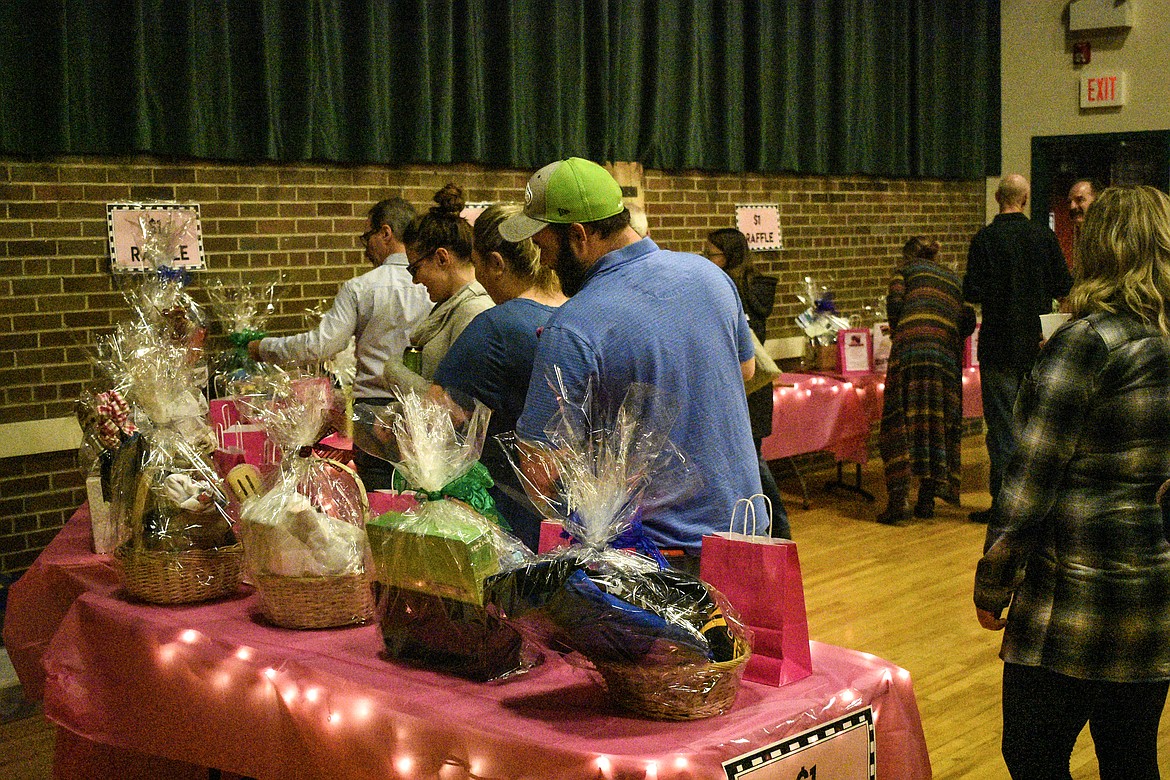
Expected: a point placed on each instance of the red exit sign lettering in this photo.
(1102, 89)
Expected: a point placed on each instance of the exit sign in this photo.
(1103, 89)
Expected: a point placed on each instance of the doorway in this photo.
(1060, 161)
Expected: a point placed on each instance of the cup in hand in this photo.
(1050, 322)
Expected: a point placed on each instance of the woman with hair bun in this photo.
(492, 360)
(922, 411)
(438, 250)
(1079, 548)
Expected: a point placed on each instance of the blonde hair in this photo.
(522, 258)
(1123, 256)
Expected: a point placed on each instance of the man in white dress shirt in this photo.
(379, 309)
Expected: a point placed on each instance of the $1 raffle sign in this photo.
(842, 749)
(760, 223)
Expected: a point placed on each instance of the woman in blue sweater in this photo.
(491, 361)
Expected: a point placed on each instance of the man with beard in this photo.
(1080, 196)
(641, 314)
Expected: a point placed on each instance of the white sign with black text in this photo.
(842, 749)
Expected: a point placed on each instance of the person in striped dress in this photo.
(922, 413)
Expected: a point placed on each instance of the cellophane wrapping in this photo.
(431, 561)
(242, 309)
(159, 297)
(104, 418)
(820, 321)
(310, 521)
(599, 469)
(165, 495)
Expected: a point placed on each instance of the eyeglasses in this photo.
(412, 269)
(368, 235)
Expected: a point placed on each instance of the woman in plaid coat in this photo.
(1079, 550)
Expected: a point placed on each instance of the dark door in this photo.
(1109, 158)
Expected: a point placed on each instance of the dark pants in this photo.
(999, 389)
(1043, 712)
(780, 527)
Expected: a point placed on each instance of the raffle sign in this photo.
(760, 223)
(173, 227)
(842, 749)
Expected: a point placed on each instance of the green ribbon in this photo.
(471, 488)
(240, 338)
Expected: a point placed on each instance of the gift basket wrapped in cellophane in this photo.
(666, 645)
(820, 322)
(104, 418)
(304, 537)
(431, 560)
(242, 309)
(175, 542)
(159, 297)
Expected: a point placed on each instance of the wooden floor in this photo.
(901, 593)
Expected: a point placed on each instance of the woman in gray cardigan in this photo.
(438, 246)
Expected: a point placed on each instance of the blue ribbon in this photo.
(633, 538)
(180, 275)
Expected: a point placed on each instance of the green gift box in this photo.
(440, 548)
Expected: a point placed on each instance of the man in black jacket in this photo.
(1014, 269)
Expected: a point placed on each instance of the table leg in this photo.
(855, 487)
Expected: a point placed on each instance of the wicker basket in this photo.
(180, 577)
(316, 602)
(320, 602)
(683, 692)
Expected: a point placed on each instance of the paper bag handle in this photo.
(749, 505)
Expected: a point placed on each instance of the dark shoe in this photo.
(982, 516)
(893, 516)
(924, 510)
(949, 497)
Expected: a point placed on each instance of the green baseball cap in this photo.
(564, 192)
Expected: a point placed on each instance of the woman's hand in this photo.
(990, 621)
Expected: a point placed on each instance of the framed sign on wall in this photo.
(147, 236)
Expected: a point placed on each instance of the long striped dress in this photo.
(922, 414)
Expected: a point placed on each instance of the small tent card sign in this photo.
(148, 236)
(856, 350)
(760, 223)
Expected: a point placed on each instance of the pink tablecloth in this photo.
(837, 412)
(213, 685)
(811, 413)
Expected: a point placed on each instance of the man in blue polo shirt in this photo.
(642, 314)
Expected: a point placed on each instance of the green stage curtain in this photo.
(818, 87)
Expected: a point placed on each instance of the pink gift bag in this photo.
(550, 537)
(760, 576)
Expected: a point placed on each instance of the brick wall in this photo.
(56, 294)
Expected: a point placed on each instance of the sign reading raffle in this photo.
(760, 223)
(173, 228)
(842, 749)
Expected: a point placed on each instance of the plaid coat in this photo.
(1080, 548)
